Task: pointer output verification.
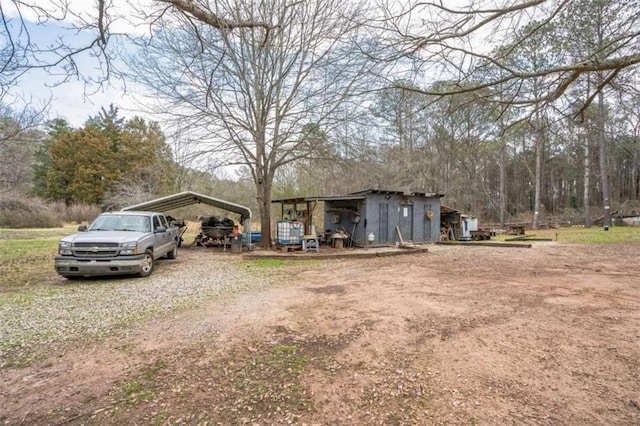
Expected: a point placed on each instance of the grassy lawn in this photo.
(39, 308)
(26, 255)
(593, 235)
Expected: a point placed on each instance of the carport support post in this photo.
(247, 229)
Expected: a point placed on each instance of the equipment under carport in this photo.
(214, 231)
(183, 199)
(236, 244)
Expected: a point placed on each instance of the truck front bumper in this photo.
(79, 266)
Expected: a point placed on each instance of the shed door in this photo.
(427, 222)
(383, 224)
(406, 222)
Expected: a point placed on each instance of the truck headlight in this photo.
(129, 248)
(64, 248)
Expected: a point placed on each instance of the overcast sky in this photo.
(70, 100)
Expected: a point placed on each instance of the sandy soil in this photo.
(458, 335)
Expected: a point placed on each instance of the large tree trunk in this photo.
(604, 169)
(503, 184)
(636, 177)
(536, 202)
(587, 174)
(264, 186)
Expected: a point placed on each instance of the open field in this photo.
(458, 335)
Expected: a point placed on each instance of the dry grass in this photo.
(26, 255)
(581, 235)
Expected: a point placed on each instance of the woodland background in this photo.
(508, 110)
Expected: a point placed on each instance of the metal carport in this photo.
(188, 198)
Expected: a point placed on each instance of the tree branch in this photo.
(208, 17)
(573, 71)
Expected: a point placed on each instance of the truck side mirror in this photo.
(160, 229)
(82, 228)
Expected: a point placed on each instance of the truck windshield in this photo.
(121, 223)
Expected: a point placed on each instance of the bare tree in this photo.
(19, 140)
(457, 42)
(629, 102)
(403, 131)
(467, 44)
(256, 96)
(91, 31)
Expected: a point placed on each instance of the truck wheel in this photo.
(174, 251)
(147, 264)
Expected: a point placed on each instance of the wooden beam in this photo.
(528, 239)
(399, 234)
(483, 243)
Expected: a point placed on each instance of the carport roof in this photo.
(188, 198)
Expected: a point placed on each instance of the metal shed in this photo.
(188, 198)
(376, 216)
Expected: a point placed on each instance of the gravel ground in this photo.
(66, 311)
(459, 335)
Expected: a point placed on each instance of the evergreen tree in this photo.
(110, 161)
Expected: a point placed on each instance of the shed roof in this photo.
(359, 195)
(392, 192)
(319, 198)
(447, 210)
(187, 198)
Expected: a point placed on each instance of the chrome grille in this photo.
(95, 245)
(96, 250)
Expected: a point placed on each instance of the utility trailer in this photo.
(471, 231)
(482, 234)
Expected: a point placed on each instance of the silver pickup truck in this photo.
(118, 243)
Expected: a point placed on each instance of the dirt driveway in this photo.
(459, 335)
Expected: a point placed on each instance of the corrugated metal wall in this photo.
(381, 213)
